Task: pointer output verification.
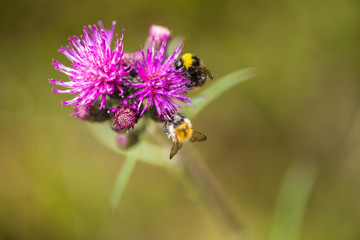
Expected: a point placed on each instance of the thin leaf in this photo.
(217, 88)
(151, 153)
(292, 200)
(154, 154)
(124, 176)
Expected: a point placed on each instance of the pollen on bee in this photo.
(188, 60)
(183, 132)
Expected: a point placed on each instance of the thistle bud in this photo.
(124, 117)
(157, 35)
(92, 113)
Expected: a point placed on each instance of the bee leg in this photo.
(202, 79)
(190, 84)
(165, 128)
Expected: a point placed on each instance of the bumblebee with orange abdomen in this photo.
(196, 71)
(180, 130)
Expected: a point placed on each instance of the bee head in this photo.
(178, 118)
(179, 63)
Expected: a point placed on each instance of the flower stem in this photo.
(211, 191)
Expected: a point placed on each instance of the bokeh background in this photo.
(301, 112)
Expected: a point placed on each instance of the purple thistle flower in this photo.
(161, 84)
(96, 68)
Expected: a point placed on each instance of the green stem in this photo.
(212, 192)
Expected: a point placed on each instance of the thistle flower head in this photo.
(160, 83)
(96, 68)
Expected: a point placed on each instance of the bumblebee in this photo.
(180, 130)
(196, 71)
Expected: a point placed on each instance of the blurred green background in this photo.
(301, 112)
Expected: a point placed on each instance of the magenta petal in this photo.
(96, 70)
(161, 83)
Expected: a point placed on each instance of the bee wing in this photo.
(175, 148)
(206, 71)
(197, 137)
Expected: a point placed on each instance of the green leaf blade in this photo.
(219, 87)
(293, 198)
(151, 153)
(124, 176)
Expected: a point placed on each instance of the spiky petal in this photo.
(160, 83)
(96, 70)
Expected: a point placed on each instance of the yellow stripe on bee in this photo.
(183, 132)
(188, 60)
